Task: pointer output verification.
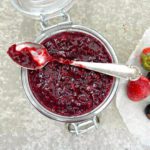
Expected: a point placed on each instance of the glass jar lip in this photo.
(94, 112)
(52, 9)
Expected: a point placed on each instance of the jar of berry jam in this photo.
(59, 91)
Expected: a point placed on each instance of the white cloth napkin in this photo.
(133, 112)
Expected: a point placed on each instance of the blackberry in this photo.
(148, 76)
(147, 111)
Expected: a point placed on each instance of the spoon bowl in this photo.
(29, 55)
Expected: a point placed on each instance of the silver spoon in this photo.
(39, 57)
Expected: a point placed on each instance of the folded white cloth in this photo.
(133, 112)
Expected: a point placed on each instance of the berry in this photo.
(148, 76)
(145, 58)
(139, 89)
(147, 111)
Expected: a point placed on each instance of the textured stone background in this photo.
(122, 22)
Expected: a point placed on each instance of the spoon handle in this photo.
(116, 70)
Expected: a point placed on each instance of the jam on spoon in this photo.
(33, 56)
(29, 55)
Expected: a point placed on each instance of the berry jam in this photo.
(29, 57)
(68, 90)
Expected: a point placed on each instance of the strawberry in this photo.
(139, 89)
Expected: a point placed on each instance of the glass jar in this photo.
(76, 124)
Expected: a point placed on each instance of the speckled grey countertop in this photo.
(22, 127)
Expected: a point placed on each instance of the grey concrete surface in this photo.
(22, 127)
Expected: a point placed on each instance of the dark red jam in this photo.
(67, 90)
(29, 57)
